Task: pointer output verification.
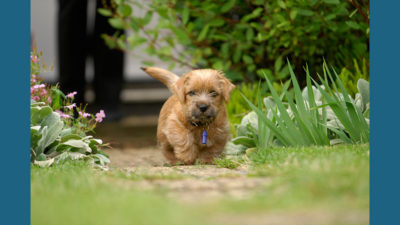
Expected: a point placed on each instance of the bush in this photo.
(57, 135)
(246, 39)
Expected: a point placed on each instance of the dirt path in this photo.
(189, 183)
(136, 155)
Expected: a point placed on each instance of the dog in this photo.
(193, 125)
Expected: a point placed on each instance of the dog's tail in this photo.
(166, 77)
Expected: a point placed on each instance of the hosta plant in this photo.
(59, 127)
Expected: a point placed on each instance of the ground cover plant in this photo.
(244, 38)
(59, 128)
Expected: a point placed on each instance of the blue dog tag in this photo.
(204, 137)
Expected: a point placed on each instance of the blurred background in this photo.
(248, 40)
(141, 96)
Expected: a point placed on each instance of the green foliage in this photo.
(316, 115)
(350, 78)
(246, 39)
(56, 136)
(237, 107)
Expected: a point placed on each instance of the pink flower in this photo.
(38, 86)
(44, 92)
(34, 75)
(84, 115)
(34, 59)
(100, 115)
(49, 100)
(71, 95)
(33, 80)
(36, 98)
(70, 107)
(63, 115)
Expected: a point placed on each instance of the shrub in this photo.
(56, 134)
(246, 39)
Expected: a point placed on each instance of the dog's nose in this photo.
(203, 107)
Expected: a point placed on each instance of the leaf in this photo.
(244, 140)
(117, 23)
(216, 22)
(51, 129)
(102, 160)
(147, 18)
(278, 64)
(353, 25)
(247, 59)
(249, 34)
(77, 145)
(104, 12)
(70, 137)
(227, 6)
(125, 10)
(363, 89)
(136, 40)
(185, 14)
(305, 12)
(39, 113)
(203, 33)
(236, 55)
(134, 25)
(335, 2)
(44, 163)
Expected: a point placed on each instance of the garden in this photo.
(299, 120)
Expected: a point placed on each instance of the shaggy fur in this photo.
(197, 104)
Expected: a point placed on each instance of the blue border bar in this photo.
(14, 113)
(385, 125)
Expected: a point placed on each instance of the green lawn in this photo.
(319, 180)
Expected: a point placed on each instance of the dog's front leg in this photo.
(182, 142)
(186, 154)
(207, 155)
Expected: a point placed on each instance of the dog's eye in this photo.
(192, 93)
(213, 94)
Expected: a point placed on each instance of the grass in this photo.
(315, 177)
(323, 180)
(76, 194)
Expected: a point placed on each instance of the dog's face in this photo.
(202, 94)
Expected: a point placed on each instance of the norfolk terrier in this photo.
(193, 124)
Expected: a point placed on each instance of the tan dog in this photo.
(197, 107)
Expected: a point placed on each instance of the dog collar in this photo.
(204, 141)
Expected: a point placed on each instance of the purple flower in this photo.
(71, 95)
(44, 92)
(100, 115)
(36, 98)
(84, 115)
(34, 59)
(63, 115)
(70, 107)
(38, 86)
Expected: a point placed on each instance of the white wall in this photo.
(43, 29)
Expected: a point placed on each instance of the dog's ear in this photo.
(227, 87)
(179, 89)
